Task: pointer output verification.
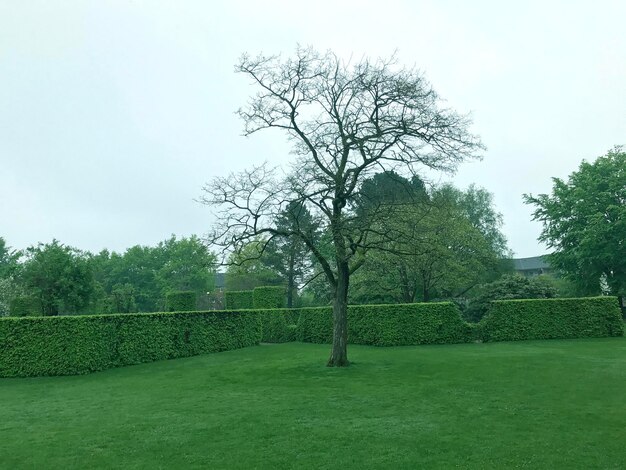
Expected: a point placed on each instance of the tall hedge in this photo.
(510, 320)
(389, 325)
(69, 345)
(277, 325)
(180, 301)
(238, 299)
(269, 297)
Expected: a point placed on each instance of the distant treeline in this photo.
(56, 279)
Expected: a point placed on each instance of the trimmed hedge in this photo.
(389, 325)
(238, 299)
(277, 325)
(180, 301)
(512, 320)
(70, 345)
(269, 297)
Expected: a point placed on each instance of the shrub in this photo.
(269, 297)
(389, 325)
(510, 320)
(238, 299)
(24, 307)
(506, 288)
(180, 301)
(70, 345)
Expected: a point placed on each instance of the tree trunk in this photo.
(339, 352)
(290, 276)
(425, 292)
(405, 289)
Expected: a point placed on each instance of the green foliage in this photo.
(238, 300)
(60, 276)
(564, 287)
(506, 288)
(289, 256)
(140, 278)
(278, 325)
(123, 299)
(249, 267)
(188, 266)
(181, 301)
(477, 206)
(9, 290)
(410, 324)
(388, 325)
(269, 297)
(25, 306)
(9, 260)
(437, 244)
(511, 320)
(584, 221)
(68, 345)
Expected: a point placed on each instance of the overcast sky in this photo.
(113, 114)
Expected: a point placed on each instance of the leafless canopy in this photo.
(346, 121)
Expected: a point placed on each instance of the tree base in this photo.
(344, 362)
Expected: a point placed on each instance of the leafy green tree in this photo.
(584, 222)
(139, 279)
(509, 287)
(289, 256)
(138, 267)
(9, 268)
(59, 276)
(445, 243)
(9, 290)
(9, 260)
(189, 266)
(389, 189)
(477, 206)
(249, 267)
(122, 299)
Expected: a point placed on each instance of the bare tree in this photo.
(346, 121)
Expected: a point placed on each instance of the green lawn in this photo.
(540, 404)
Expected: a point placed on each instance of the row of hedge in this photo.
(438, 323)
(258, 298)
(389, 325)
(70, 345)
(512, 320)
(181, 301)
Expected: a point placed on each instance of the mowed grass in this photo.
(541, 404)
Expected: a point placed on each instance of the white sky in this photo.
(113, 114)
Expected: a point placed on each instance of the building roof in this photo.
(529, 264)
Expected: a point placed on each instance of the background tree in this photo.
(449, 247)
(290, 257)
(477, 206)
(137, 268)
(249, 267)
(139, 279)
(511, 286)
(9, 268)
(59, 276)
(345, 122)
(189, 266)
(9, 259)
(584, 222)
